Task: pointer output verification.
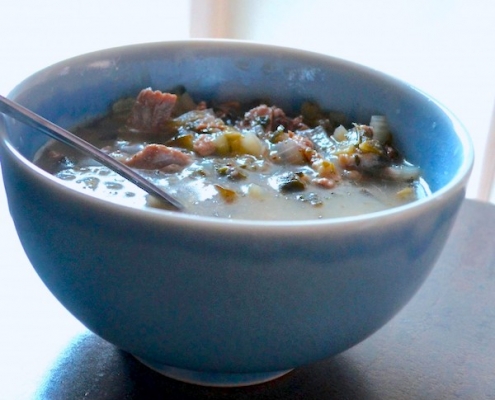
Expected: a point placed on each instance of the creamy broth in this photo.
(220, 167)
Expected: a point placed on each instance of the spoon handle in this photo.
(22, 114)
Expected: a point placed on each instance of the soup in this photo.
(239, 161)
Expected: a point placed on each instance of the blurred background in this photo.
(444, 47)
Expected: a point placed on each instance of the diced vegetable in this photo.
(325, 169)
(406, 193)
(370, 146)
(256, 191)
(233, 173)
(311, 198)
(340, 133)
(228, 195)
(289, 152)
(291, 182)
(182, 141)
(222, 145)
(402, 172)
(380, 127)
(250, 144)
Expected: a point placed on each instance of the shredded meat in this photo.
(327, 183)
(201, 121)
(271, 118)
(152, 110)
(204, 145)
(158, 156)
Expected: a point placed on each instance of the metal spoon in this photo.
(22, 114)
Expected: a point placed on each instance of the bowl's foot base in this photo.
(213, 378)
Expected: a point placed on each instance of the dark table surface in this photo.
(440, 346)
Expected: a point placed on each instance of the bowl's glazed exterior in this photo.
(230, 302)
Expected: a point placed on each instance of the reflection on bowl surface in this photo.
(230, 302)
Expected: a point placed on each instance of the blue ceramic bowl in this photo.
(230, 302)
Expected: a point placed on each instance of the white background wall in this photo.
(36, 34)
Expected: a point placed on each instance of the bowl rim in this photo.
(153, 215)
